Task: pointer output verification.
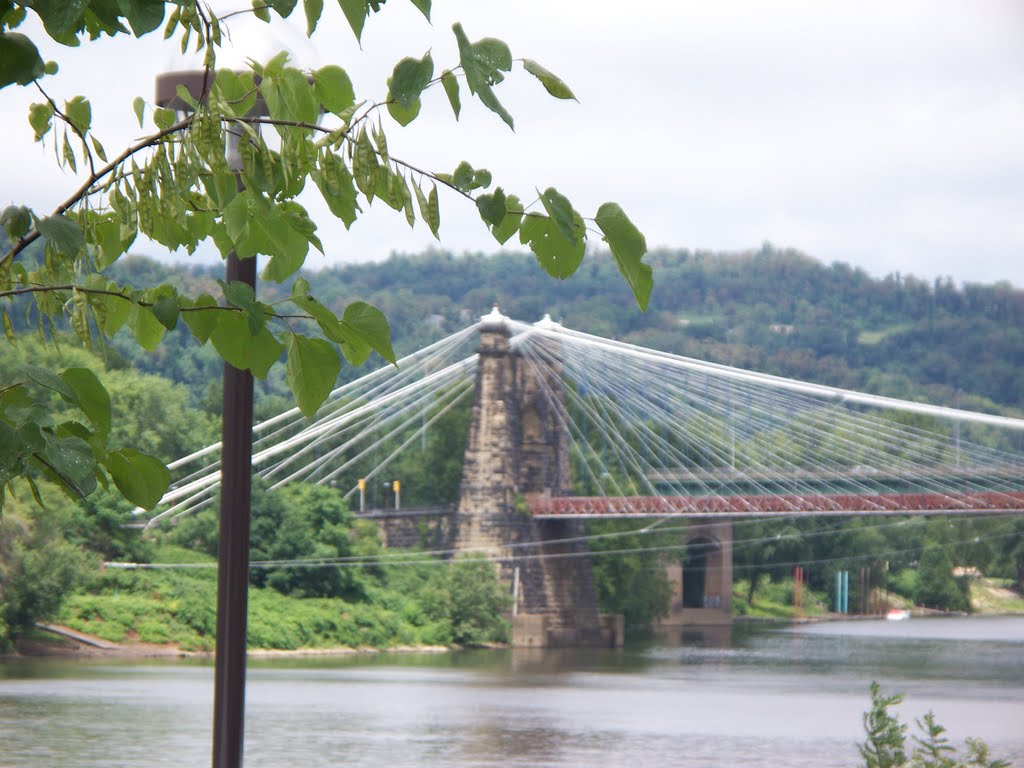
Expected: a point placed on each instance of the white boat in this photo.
(897, 614)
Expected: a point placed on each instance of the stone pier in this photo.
(518, 445)
(702, 582)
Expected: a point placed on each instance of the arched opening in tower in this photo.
(701, 564)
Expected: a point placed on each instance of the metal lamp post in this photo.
(235, 488)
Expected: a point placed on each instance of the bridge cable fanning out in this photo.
(648, 428)
(651, 432)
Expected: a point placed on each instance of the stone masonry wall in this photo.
(517, 445)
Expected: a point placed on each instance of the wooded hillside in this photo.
(777, 311)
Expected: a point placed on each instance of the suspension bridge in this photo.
(567, 426)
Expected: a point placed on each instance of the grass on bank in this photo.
(995, 596)
(429, 604)
(774, 600)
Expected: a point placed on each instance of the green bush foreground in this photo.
(886, 743)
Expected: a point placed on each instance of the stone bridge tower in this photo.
(518, 445)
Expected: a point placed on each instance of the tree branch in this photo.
(116, 294)
(60, 113)
(84, 189)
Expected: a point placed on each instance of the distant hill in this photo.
(777, 311)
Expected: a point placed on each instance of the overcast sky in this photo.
(888, 135)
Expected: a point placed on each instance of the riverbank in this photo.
(773, 602)
(58, 641)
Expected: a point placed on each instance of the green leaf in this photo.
(36, 495)
(335, 184)
(65, 234)
(236, 90)
(80, 317)
(425, 208)
(61, 17)
(433, 214)
(628, 246)
(8, 328)
(69, 154)
(236, 218)
(143, 15)
(272, 234)
(139, 105)
(242, 296)
(186, 97)
(47, 379)
(13, 453)
(489, 100)
(492, 207)
(365, 327)
(450, 83)
(560, 210)
(40, 117)
(148, 331)
(71, 462)
(380, 140)
(311, 372)
(410, 214)
(467, 178)
(409, 78)
(482, 61)
(244, 350)
(141, 478)
(79, 111)
(333, 88)
(423, 6)
(299, 97)
(16, 221)
(288, 95)
(202, 319)
(20, 61)
(164, 118)
(259, 9)
(98, 148)
(165, 310)
(356, 12)
(110, 233)
(304, 300)
(284, 8)
(551, 83)
(364, 165)
(92, 397)
(510, 224)
(557, 256)
(313, 9)
(404, 115)
(112, 312)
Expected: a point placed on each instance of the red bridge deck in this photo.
(763, 506)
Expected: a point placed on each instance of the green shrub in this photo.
(905, 583)
(153, 630)
(5, 634)
(937, 587)
(470, 598)
(886, 742)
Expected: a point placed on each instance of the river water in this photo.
(791, 697)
